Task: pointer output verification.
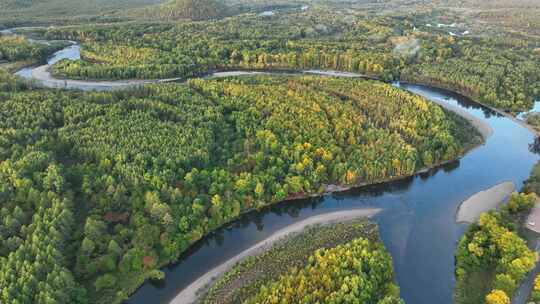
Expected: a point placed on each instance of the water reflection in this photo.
(417, 224)
(72, 52)
(451, 166)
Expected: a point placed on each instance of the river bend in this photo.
(417, 222)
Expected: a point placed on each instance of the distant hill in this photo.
(492, 4)
(29, 12)
(185, 9)
(14, 4)
(214, 9)
(194, 9)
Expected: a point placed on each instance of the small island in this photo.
(323, 263)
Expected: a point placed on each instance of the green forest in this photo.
(93, 204)
(492, 259)
(18, 51)
(500, 71)
(291, 252)
(356, 272)
(100, 190)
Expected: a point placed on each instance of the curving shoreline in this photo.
(481, 125)
(191, 293)
(106, 85)
(463, 95)
(469, 211)
(44, 76)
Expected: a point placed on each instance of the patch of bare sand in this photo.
(191, 293)
(469, 211)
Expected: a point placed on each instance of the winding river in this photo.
(417, 222)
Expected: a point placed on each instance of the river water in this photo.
(72, 52)
(417, 224)
(535, 109)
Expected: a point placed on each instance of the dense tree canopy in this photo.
(491, 258)
(16, 48)
(98, 190)
(357, 272)
(137, 176)
(499, 71)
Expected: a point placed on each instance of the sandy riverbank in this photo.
(476, 101)
(191, 293)
(469, 211)
(43, 75)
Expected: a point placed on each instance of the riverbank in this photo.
(335, 188)
(478, 274)
(246, 278)
(13, 67)
(469, 211)
(191, 293)
(43, 75)
(465, 96)
(481, 125)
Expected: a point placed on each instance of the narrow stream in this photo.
(417, 225)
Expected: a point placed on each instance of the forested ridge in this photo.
(100, 189)
(501, 71)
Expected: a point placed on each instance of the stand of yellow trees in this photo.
(100, 189)
(357, 272)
